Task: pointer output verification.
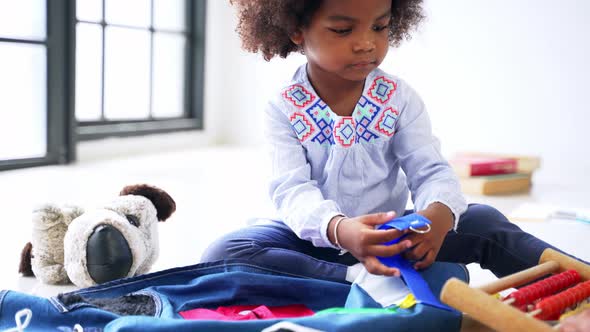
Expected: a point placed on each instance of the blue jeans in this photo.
(484, 236)
(163, 294)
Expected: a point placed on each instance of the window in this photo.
(133, 66)
(33, 85)
(84, 69)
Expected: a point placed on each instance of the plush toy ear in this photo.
(164, 204)
(25, 261)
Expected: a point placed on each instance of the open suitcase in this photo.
(157, 301)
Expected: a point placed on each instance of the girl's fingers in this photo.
(386, 251)
(418, 252)
(427, 261)
(374, 236)
(377, 218)
(416, 238)
(373, 266)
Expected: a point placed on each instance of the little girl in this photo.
(349, 143)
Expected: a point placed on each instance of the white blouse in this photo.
(324, 164)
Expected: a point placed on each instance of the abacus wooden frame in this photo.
(481, 306)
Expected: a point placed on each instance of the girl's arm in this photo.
(436, 192)
(294, 194)
(429, 176)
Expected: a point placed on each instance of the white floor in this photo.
(216, 190)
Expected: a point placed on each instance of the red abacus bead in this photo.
(552, 306)
(544, 287)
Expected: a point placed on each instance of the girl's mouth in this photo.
(363, 64)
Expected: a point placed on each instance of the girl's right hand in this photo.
(359, 236)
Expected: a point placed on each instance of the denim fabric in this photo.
(274, 244)
(487, 237)
(484, 235)
(222, 283)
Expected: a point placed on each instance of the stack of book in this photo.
(494, 174)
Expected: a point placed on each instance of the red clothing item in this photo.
(248, 312)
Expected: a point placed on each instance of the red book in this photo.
(476, 166)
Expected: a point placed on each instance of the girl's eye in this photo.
(379, 28)
(341, 31)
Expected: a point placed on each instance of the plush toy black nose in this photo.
(107, 254)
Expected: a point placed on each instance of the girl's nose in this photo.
(364, 44)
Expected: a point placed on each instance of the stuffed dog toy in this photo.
(94, 246)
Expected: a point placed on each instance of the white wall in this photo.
(238, 84)
(503, 76)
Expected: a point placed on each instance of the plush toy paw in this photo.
(89, 247)
(50, 223)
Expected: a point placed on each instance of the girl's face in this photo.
(347, 38)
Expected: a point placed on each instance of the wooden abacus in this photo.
(569, 285)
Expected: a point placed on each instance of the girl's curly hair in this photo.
(266, 25)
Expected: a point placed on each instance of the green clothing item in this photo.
(391, 310)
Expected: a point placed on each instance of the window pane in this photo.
(23, 119)
(89, 10)
(22, 19)
(168, 92)
(169, 15)
(128, 12)
(127, 74)
(88, 72)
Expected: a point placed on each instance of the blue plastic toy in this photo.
(419, 224)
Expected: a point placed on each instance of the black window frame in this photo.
(63, 129)
(193, 112)
(59, 106)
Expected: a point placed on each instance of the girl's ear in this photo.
(297, 37)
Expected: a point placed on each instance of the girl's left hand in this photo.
(426, 246)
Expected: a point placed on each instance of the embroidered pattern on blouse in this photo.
(316, 122)
(298, 96)
(344, 131)
(321, 115)
(364, 114)
(382, 89)
(386, 123)
(302, 127)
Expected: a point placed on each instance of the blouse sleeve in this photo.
(429, 176)
(297, 198)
